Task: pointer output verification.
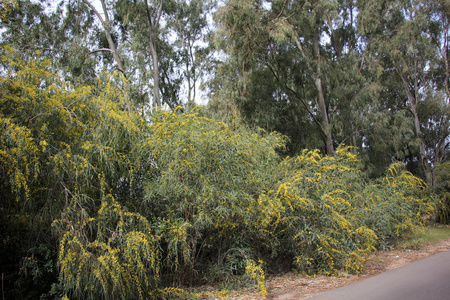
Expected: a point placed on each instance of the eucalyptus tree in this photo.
(409, 38)
(143, 18)
(143, 26)
(163, 39)
(439, 31)
(191, 28)
(306, 32)
(68, 32)
(106, 23)
(309, 48)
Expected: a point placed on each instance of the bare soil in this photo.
(293, 286)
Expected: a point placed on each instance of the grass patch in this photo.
(426, 235)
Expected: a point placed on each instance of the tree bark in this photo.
(321, 101)
(325, 123)
(326, 128)
(422, 147)
(412, 98)
(156, 79)
(105, 23)
(153, 32)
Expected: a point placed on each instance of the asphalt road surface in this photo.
(426, 279)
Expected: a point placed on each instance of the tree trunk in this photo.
(321, 102)
(105, 23)
(153, 32)
(422, 147)
(194, 75)
(154, 54)
(412, 98)
(325, 123)
(326, 128)
(111, 44)
(353, 137)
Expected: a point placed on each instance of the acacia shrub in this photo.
(65, 148)
(113, 255)
(310, 213)
(329, 216)
(205, 176)
(394, 205)
(234, 198)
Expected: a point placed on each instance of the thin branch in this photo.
(40, 48)
(106, 25)
(282, 9)
(105, 11)
(96, 12)
(149, 17)
(296, 95)
(306, 107)
(159, 12)
(101, 50)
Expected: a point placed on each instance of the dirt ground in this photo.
(296, 287)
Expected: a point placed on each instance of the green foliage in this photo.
(371, 63)
(396, 205)
(205, 170)
(442, 190)
(235, 193)
(211, 189)
(315, 203)
(405, 39)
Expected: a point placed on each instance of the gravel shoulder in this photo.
(294, 286)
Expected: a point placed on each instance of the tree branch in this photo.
(102, 49)
(99, 16)
(282, 9)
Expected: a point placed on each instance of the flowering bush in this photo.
(137, 207)
(235, 192)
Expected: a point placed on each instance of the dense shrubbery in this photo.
(442, 190)
(228, 189)
(331, 216)
(137, 207)
(63, 147)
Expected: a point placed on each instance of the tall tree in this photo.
(67, 32)
(190, 26)
(439, 30)
(141, 22)
(309, 48)
(309, 29)
(106, 23)
(398, 34)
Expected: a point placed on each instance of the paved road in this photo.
(426, 279)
